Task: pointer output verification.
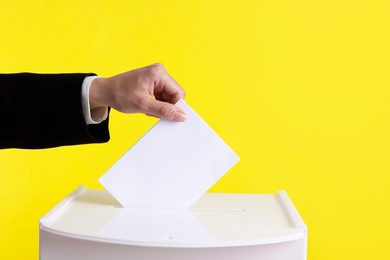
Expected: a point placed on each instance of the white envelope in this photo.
(171, 166)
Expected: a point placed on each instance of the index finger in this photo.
(169, 89)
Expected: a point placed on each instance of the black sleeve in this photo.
(44, 110)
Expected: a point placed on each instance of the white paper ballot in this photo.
(171, 166)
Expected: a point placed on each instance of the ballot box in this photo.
(91, 224)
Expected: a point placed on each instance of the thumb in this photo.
(165, 110)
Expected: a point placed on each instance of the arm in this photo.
(45, 110)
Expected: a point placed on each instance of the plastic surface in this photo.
(216, 220)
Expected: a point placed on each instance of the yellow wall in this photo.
(298, 88)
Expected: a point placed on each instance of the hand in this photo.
(149, 90)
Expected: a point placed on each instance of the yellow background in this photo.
(298, 88)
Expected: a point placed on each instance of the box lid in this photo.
(215, 220)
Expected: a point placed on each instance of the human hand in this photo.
(149, 90)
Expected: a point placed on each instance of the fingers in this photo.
(167, 92)
(166, 88)
(164, 110)
(133, 92)
(174, 89)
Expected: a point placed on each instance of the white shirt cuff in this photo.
(102, 112)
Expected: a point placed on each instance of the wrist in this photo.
(98, 93)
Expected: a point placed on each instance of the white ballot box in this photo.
(91, 225)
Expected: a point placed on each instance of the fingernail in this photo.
(179, 117)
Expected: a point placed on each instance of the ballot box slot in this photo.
(217, 209)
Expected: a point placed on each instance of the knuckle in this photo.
(157, 69)
(159, 65)
(183, 93)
